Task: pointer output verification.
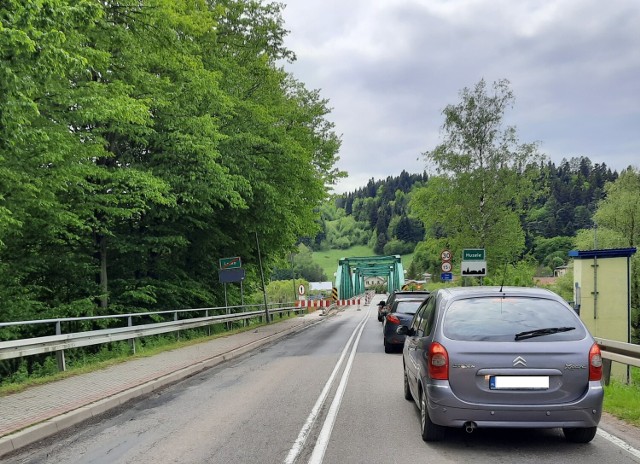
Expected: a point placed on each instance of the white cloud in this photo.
(389, 67)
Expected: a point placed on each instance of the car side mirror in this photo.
(403, 330)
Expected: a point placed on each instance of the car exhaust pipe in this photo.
(470, 426)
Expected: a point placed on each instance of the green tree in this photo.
(305, 268)
(484, 174)
(142, 141)
(618, 226)
(545, 248)
(426, 258)
(620, 210)
(282, 291)
(44, 83)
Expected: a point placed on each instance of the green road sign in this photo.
(230, 263)
(473, 254)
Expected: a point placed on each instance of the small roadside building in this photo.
(374, 281)
(602, 295)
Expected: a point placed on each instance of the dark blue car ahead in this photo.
(401, 313)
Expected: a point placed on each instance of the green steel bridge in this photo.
(351, 274)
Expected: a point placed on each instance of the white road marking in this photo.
(323, 439)
(325, 434)
(304, 432)
(618, 442)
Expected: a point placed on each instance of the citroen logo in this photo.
(519, 361)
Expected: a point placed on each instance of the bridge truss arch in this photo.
(351, 274)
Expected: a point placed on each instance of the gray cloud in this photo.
(389, 67)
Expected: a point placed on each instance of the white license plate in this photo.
(518, 382)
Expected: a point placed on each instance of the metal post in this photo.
(244, 321)
(132, 342)
(595, 272)
(606, 371)
(62, 366)
(293, 278)
(226, 305)
(595, 287)
(264, 290)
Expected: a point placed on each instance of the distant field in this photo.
(328, 259)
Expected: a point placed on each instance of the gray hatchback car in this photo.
(502, 357)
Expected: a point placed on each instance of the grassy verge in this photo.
(120, 352)
(622, 400)
(328, 259)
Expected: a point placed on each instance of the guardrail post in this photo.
(62, 366)
(606, 371)
(132, 342)
(175, 319)
(206, 314)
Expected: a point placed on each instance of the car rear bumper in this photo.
(394, 339)
(447, 410)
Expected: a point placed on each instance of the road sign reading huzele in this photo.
(230, 263)
(473, 254)
(474, 263)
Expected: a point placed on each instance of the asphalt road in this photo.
(327, 394)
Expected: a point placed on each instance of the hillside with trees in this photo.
(561, 201)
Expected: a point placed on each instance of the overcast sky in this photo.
(389, 67)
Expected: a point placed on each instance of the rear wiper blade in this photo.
(541, 332)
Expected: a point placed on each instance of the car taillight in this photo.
(393, 319)
(595, 363)
(438, 360)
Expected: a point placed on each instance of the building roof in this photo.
(609, 253)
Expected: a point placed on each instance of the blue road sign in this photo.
(446, 276)
(236, 274)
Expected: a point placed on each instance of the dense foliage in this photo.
(140, 142)
(488, 191)
(562, 202)
(379, 213)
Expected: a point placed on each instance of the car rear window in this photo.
(407, 306)
(502, 318)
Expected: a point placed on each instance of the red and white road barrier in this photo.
(313, 303)
(327, 303)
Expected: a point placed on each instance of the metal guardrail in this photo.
(615, 351)
(612, 350)
(58, 343)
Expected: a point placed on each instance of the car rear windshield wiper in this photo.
(541, 332)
